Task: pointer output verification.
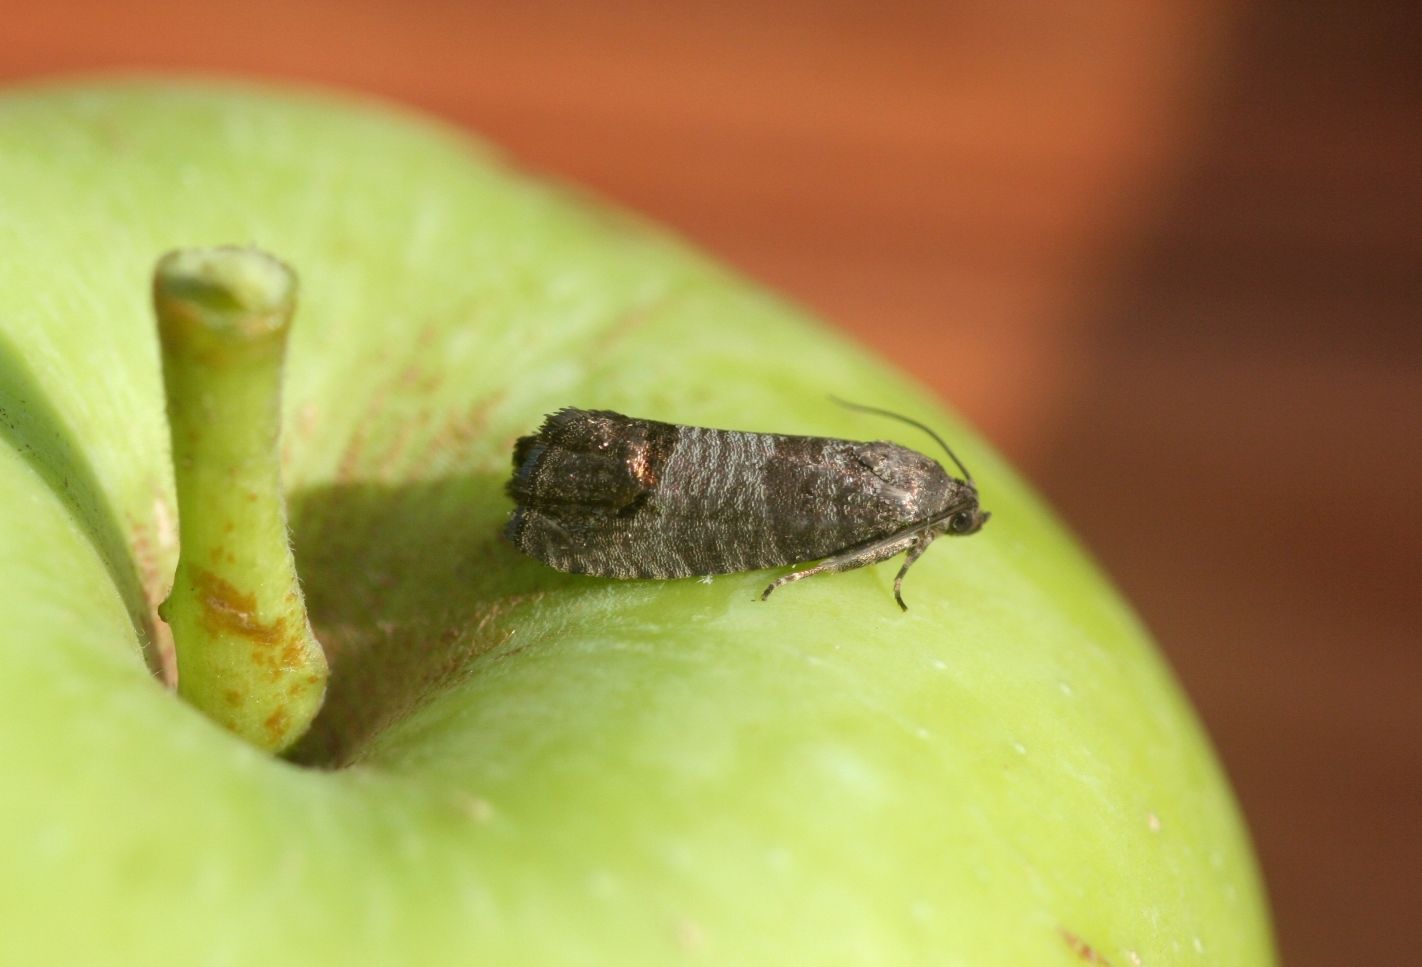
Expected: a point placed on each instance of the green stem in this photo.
(246, 654)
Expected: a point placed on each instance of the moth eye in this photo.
(961, 523)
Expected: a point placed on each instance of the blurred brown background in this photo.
(1167, 254)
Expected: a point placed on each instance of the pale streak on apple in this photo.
(246, 654)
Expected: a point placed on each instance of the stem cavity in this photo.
(245, 651)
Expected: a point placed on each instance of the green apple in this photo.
(515, 765)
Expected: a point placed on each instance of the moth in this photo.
(600, 493)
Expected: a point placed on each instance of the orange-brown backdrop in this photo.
(1166, 253)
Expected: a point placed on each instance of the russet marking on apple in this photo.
(608, 495)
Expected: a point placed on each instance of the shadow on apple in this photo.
(30, 424)
(377, 562)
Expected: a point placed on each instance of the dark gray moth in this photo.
(605, 494)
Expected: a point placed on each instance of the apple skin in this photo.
(538, 768)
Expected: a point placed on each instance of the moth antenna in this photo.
(911, 422)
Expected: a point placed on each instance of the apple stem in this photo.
(245, 650)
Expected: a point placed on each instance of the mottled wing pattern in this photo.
(601, 493)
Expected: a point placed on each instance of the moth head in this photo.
(969, 520)
(964, 516)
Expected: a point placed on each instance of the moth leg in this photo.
(848, 560)
(915, 551)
